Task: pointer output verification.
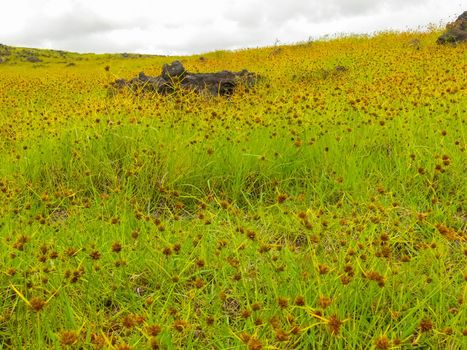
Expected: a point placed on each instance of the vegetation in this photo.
(324, 209)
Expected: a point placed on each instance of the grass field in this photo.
(324, 209)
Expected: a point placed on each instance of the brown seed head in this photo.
(256, 306)
(68, 338)
(323, 269)
(180, 325)
(334, 324)
(246, 313)
(95, 255)
(154, 343)
(245, 337)
(324, 301)
(382, 343)
(37, 304)
(254, 344)
(283, 302)
(426, 325)
(281, 335)
(129, 321)
(153, 330)
(116, 247)
(281, 198)
(300, 301)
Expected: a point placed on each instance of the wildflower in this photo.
(283, 302)
(180, 325)
(246, 313)
(210, 320)
(425, 325)
(323, 269)
(274, 322)
(251, 234)
(153, 330)
(349, 270)
(375, 276)
(68, 338)
(300, 301)
(176, 247)
(324, 301)
(128, 321)
(95, 255)
(97, 340)
(281, 198)
(116, 247)
(256, 306)
(448, 331)
(37, 304)
(199, 283)
(345, 279)
(154, 343)
(382, 343)
(245, 337)
(254, 344)
(281, 335)
(296, 330)
(135, 234)
(334, 324)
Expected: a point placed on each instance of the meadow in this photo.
(323, 209)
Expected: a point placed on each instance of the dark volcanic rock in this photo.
(175, 70)
(174, 76)
(4, 50)
(33, 59)
(456, 31)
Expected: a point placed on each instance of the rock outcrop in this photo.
(456, 31)
(174, 76)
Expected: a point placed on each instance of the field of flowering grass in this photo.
(323, 209)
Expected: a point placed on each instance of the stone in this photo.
(174, 76)
(33, 59)
(4, 50)
(175, 70)
(456, 31)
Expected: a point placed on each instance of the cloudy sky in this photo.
(196, 26)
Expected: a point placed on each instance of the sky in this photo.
(197, 26)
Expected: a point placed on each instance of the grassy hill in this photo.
(15, 55)
(323, 209)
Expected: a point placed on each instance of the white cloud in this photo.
(187, 26)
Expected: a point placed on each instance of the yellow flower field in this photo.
(325, 208)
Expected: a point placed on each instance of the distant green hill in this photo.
(14, 55)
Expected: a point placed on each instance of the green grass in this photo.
(322, 210)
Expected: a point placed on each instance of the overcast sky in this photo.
(196, 26)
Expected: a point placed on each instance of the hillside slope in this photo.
(323, 209)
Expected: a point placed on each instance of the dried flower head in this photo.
(68, 338)
(334, 324)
